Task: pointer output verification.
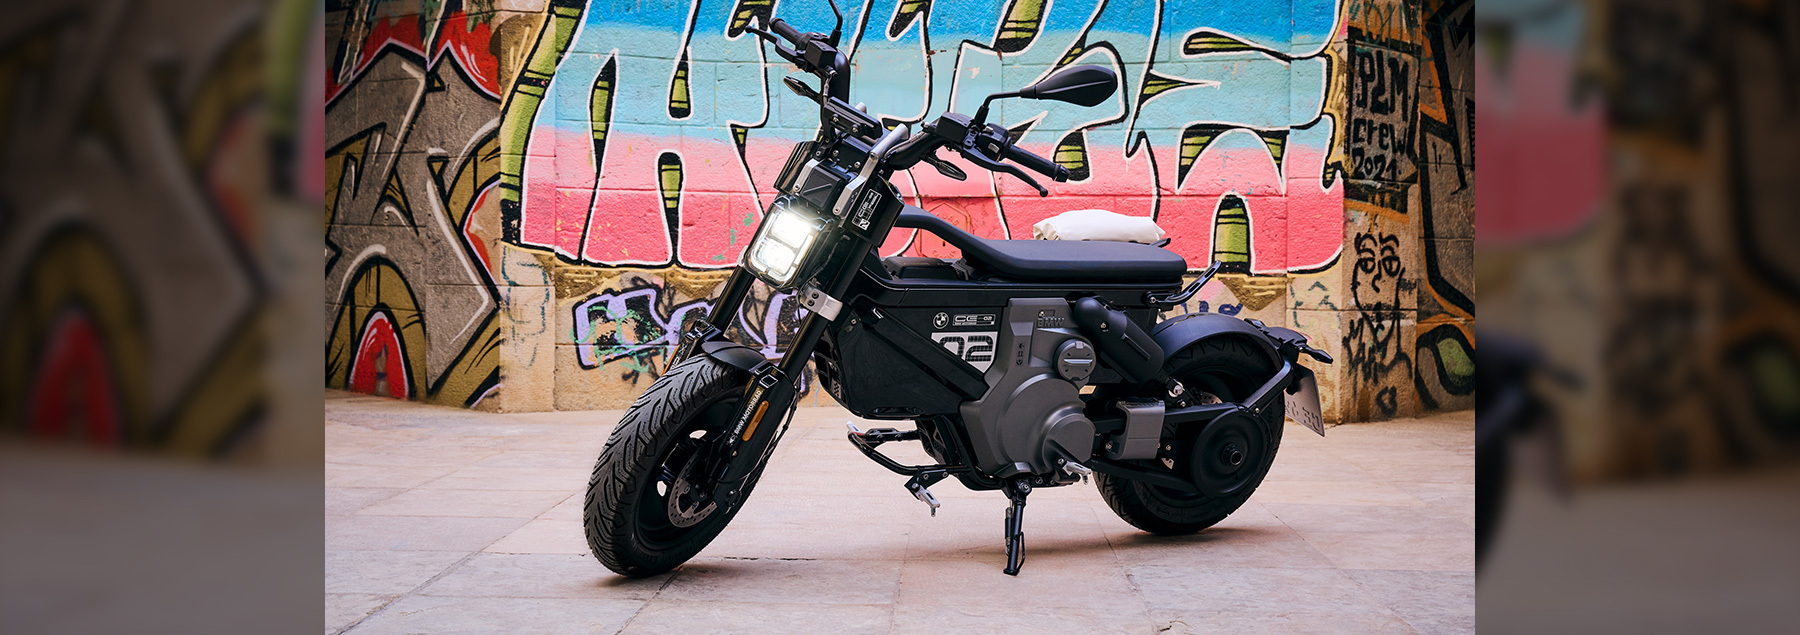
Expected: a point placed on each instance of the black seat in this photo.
(1052, 260)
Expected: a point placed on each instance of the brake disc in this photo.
(684, 510)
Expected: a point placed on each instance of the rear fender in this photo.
(1180, 333)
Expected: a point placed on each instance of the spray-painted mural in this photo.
(1645, 257)
(412, 100)
(144, 264)
(561, 184)
(1406, 330)
(657, 137)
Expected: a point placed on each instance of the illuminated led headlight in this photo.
(781, 246)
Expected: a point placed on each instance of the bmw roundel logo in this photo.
(940, 320)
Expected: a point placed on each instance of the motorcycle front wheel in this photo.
(648, 507)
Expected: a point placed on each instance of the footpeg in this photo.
(1076, 469)
(924, 494)
(920, 486)
(874, 437)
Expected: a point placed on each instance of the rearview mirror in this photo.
(1085, 85)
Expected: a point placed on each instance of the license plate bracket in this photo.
(1302, 400)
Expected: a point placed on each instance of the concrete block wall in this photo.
(558, 186)
(157, 202)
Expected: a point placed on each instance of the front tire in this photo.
(632, 526)
(1230, 368)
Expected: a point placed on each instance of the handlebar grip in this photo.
(787, 32)
(1036, 163)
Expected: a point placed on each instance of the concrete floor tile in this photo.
(1372, 518)
(408, 455)
(785, 581)
(358, 437)
(544, 535)
(515, 616)
(1452, 495)
(415, 533)
(581, 460)
(1298, 622)
(852, 512)
(1421, 552)
(1414, 472)
(588, 440)
(1316, 466)
(748, 618)
(814, 541)
(1059, 523)
(562, 479)
(401, 477)
(384, 572)
(1021, 617)
(1431, 601)
(469, 503)
(1201, 590)
(1041, 582)
(1333, 493)
(831, 542)
(570, 508)
(540, 576)
(348, 500)
(344, 609)
(1220, 547)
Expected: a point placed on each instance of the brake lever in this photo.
(946, 168)
(786, 53)
(800, 88)
(977, 158)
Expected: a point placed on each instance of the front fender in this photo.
(732, 354)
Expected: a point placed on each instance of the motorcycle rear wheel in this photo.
(630, 523)
(1231, 369)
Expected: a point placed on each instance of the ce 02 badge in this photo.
(963, 321)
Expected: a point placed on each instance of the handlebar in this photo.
(985, 146)
(787, 32)
(1036, 163)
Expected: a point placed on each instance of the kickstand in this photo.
(1016, 490)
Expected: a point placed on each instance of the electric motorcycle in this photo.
(1023, 364)
(1509, 408)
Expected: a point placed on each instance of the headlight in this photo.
(780, 246)
(776, 259)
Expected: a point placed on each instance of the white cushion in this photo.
(1097, 224)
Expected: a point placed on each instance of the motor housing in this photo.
(1031, 417)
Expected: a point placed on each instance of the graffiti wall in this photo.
(1407, 295)
(1648, 263)
(527, 199)
(148, 210)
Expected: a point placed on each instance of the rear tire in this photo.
(1492, 473)
(627, 518)
(1230, 368)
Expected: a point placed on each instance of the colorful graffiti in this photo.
(635, 328)
(142, 277)
(654, 140)
(412, 104)
(539, 193)
(1644, 254)
(1407, 330)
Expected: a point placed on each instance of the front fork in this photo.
(769, 397)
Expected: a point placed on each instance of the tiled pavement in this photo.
(445, 520)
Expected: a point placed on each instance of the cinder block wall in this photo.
(526, 200)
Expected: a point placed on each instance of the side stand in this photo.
(1016, 489)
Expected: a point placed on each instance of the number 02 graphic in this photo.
(975, 348)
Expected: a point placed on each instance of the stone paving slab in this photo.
(446, 520)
